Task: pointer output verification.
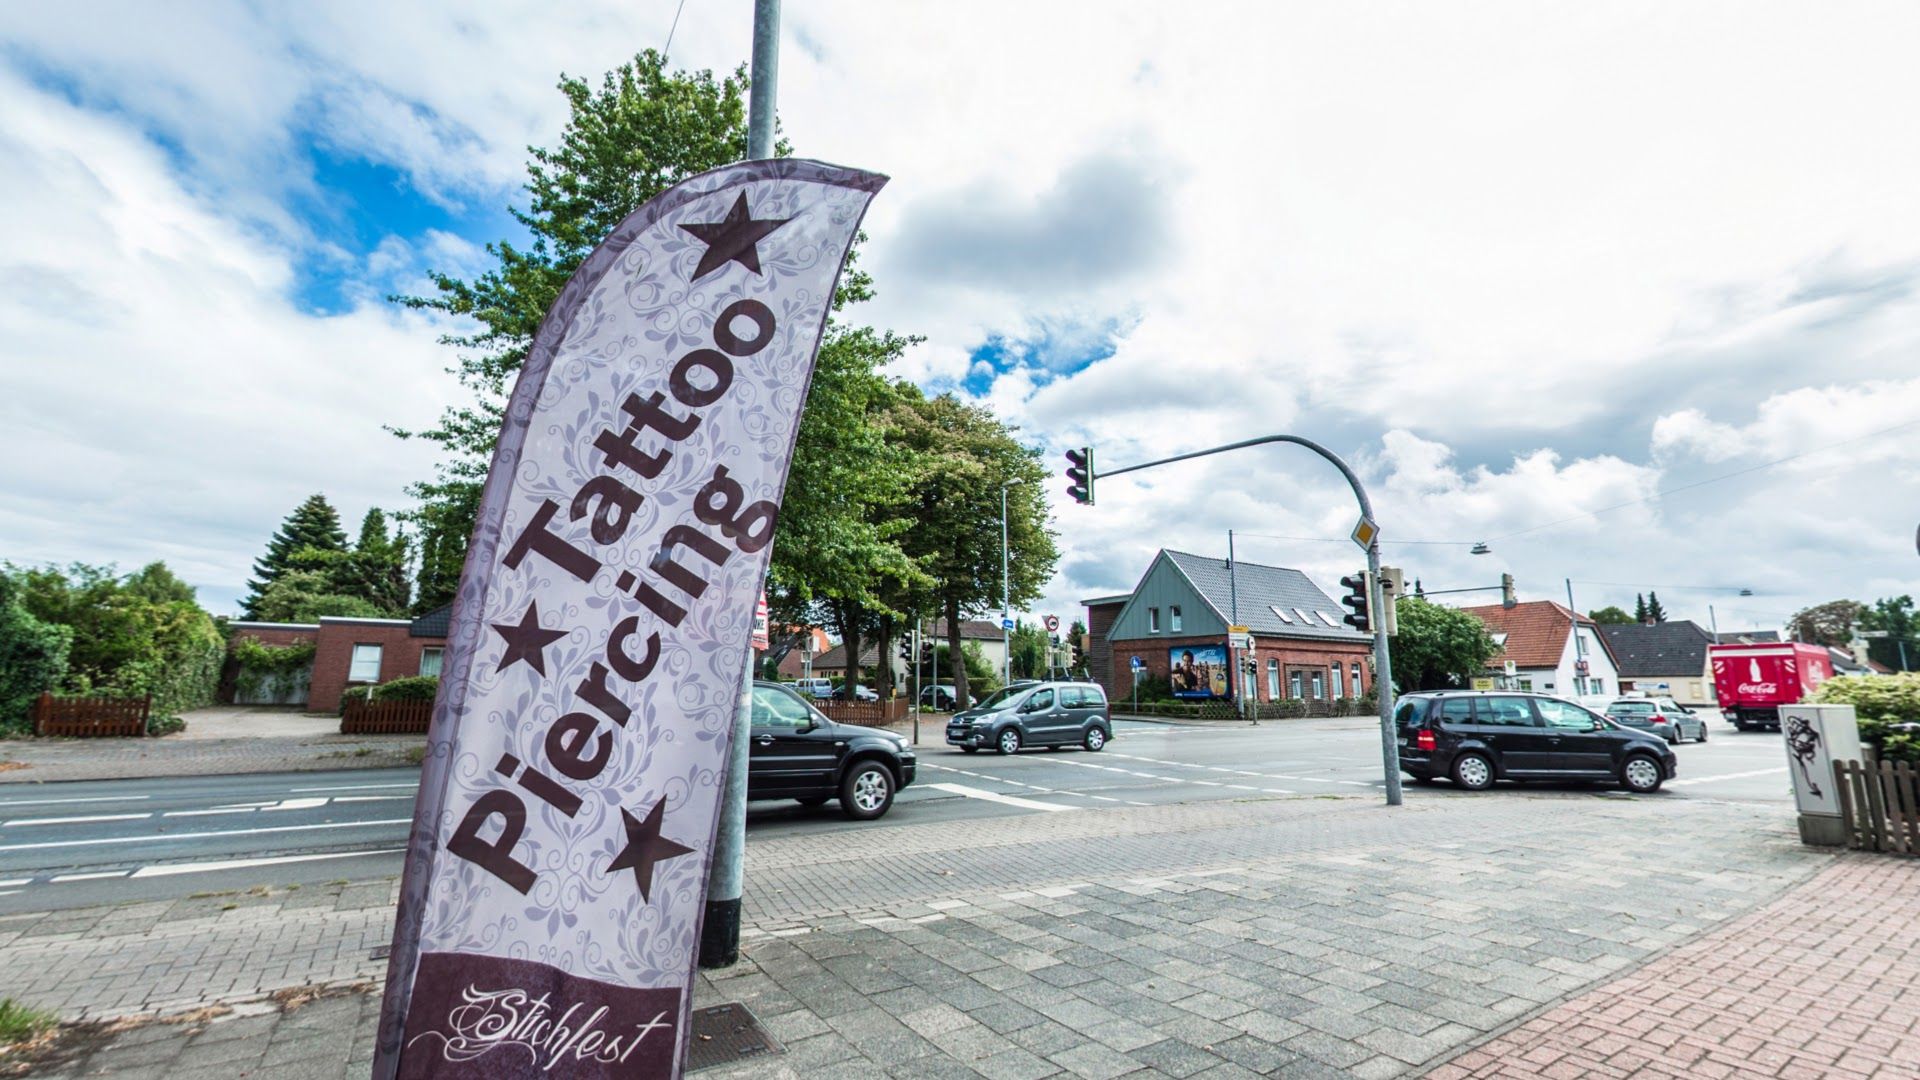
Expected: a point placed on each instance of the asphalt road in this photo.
(84, 843)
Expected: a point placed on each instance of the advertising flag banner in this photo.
(555, 881)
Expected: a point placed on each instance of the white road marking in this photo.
(209, 813)
(1030, 787)
(369, 798)
(1246, 772)
(87, 819)
(988, 796)
(174, 869)
(10, 883)
(93, 876)
(1727, 776)
(354, 787)
(97, 798)
(167, 838)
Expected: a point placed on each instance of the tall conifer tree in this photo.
(313, 524)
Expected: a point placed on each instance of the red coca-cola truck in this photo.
(1753, 681)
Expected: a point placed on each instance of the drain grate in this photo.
(724, 1034)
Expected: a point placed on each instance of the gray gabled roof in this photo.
(434, 624)
(1668, 648)
(1260, 590)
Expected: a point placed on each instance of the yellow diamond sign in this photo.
(1364, 533)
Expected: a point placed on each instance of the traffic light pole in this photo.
(1382, 661)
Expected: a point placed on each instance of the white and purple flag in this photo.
(555, 880)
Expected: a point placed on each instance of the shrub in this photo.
(1879, 702)
(33, 657)
(415, 688)
(166, 725)
(276, 669)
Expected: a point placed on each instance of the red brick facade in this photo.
(333, 656)
(1100, 666)
(1293, 655)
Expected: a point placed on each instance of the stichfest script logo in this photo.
(517, 1023)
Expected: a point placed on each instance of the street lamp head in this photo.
(1481, 548)
(1746, 592)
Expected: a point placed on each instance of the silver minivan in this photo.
(1035, 714)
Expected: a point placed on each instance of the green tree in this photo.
(1654, 610)
(1075, 641)
(1028, 650)
(640, 132)
(965, 457)
(1891, 620)
(33, 656)
(1639, 608)
(305, 595)
(1612, 616)
(443, 526)
(131, 637)
(376, 568)
(1831, 623)
(1438, 648)
(313, 524)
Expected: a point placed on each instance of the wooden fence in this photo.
(361, 717)
(91, 717)
(865, 713)
(1879, 805)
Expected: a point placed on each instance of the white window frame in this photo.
(357, 666)
(1173, 619)
(1153, 620)
(1355, 688)
(439, 659)
(1339, 684)
(1273, 680)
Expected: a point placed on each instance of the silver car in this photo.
(1661, 716)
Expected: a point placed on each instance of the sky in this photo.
(1626, 291)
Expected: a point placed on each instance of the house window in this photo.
(1356, 680)
(1296, 687)
(1338, 691)
(1273, 680)
(1173, 618)
(1153, 620)
(1319, 685)
(430, 661)
(366, 664)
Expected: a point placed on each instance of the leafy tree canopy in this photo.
(1893, 617)
(1831, 623)
(1438, 648)
(1611, 616)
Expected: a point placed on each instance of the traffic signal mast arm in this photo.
(1082, 459)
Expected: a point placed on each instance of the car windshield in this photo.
(1001, 699)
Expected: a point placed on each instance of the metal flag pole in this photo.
(720, 931)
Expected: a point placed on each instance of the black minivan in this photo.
(1035, 714)
(1477, 737)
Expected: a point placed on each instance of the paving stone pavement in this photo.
(1287, 937)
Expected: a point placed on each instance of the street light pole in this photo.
(720, 925)
(1382, 661)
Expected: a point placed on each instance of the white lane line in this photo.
(1727, 776)
(86, 819)
(174, 869)
(94, 876)
(369, 798)
(97, 798)
(170, 838)
(209, 813)
(10, 883)
(283, 804)
(354, 787)
(988, 796)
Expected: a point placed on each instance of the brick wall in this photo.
(1305, 656)
(278, 635)
(1100, 651)
(333, 656)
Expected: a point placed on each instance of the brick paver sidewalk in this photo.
(1824, 982)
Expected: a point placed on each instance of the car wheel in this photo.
(1473, 772)
(1096, 738)
(1009, 741)
(814, 800)
(1673, 737)
(1703, 733)
(1641, 774)
(867, 792)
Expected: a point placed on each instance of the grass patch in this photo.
(416, 754)
(19, 1023)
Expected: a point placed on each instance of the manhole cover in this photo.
(724, 1034)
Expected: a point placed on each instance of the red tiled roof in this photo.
(1536, 631)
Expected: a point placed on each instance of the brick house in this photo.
(1182, 606)
(353, 652)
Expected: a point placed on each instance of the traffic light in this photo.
(926, 652)
(1080, 475)
(1507, 599)
(906, 650)
(1356, 598)
(1393, 585)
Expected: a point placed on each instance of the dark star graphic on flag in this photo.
(526, 641)
(646, 847)
(732, 239)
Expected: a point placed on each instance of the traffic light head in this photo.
(1080, 475)
(1356, 601)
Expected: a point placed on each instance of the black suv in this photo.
(797, 753)
(1035, 714)
(1476, 738)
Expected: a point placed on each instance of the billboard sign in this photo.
(555, 879)
(1199, 671)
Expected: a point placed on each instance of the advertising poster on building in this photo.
(1199, 671)
(555, 879)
